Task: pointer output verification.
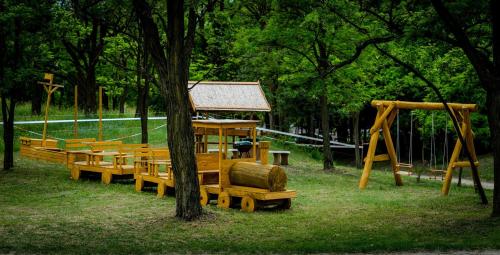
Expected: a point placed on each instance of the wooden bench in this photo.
(76, 149)
(95, 159)
(280, 157)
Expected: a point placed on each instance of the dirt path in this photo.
(466, 182)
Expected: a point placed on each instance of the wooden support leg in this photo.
(284, 159)
(75, 173)
(161, 189)
(139, 183)
(454, 157)
(106, 177)
(277, 159)
(369, 160)
(392, 153)
(370, 154)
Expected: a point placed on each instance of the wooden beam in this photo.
(382, 118)
(424, 105)
(454, 158)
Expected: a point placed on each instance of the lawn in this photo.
(43, 211)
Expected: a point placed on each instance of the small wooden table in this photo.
(280, 157)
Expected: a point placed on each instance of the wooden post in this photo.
(100, 114)
(75, 125)
(392, 153)
(254, 146)
(371, 152)
(45, 123)
(220, 157)
(50, 88)
(454, 157)
(225, 143)
(205, 141)
(264, 152)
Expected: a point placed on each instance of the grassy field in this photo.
(43, 211)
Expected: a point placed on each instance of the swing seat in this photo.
(407, 166)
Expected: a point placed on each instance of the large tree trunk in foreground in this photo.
(173, 72)
(488, 73)
(493, 102)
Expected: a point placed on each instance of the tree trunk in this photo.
(357, 151)
(143, 94)
(36, 100)
(325, 126)
(173, 71)
(123, 98)
(105, 101)
(180, 129)
(493, 102)
(8, 132)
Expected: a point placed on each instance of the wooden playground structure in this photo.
(230, 175)
(242, 178)
(387, 112)
(49, 149)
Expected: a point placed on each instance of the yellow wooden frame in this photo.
(386, 112)
(50, 88)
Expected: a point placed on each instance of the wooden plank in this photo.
(464, 164)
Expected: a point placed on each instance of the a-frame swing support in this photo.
(386, 112)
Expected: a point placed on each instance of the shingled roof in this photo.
(228, 96)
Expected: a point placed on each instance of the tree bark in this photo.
(493, 102)
(325, 126)
(488, 73)
(36, 100)
(8, 132)
(173, 72)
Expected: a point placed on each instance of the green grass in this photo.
(43, 211)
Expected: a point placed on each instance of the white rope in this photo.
(38, 134)
(82, 120)
(137, 134)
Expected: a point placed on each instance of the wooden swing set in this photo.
(387, 111)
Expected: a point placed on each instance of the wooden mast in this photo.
(100, 114)
(75, 114)
(50, 88)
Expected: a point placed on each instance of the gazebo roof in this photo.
(228, 96)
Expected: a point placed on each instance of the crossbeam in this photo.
(423, 105)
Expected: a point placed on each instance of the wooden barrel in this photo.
(255, 175)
